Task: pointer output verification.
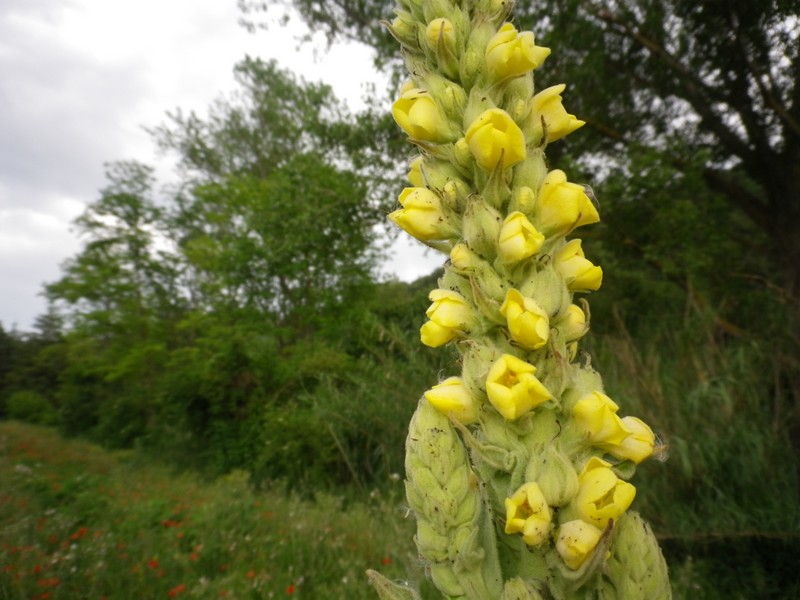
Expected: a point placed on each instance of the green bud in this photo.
(547, 286)
(445, 580)
(519, 589)
(481, 227)
(473, 60)
(553, 471)
(442, 177)
(440, 490)
(479, 101)
(518, 90)
(462, 155)
(531, 171)
(636, 569)
(431, 544)
(523, 199)
(583, 381)
(477, 360)
(450, 96)
(405, 29)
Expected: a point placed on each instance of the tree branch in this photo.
(698, 93)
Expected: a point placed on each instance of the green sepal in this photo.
(390, 590)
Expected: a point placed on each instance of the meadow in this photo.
(79, 522)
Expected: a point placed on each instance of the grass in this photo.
(725, 504)
(79, 522)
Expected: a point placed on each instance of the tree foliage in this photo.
(688, 84)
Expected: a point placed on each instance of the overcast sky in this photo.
(78, 81)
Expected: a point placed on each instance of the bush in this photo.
(31, 407)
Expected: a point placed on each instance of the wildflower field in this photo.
(79, 522)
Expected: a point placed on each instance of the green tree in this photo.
(679, 79)
(275, 229)
(118, 295)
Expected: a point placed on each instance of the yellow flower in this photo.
(420, 117)
(519, 239)
(563, 206)
(597, 414)
(449, 313)
(440, 29)
(494, 138)
(527, 321)
(415, 176)
(510, 53)
(421, 215)
(635, 447)
(547, 105)
(527, 513)
(451, 396)
(573, 324)
(513, 388)
(580, 274)
(602, 496)
(576, 540)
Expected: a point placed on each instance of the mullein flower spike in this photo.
(516, 467)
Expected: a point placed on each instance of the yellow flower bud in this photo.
(596, 413)
(527, 513)
(494, 138)
(451, 397)
(440, 29)
(602, 496)
(513, 388)
(510, 53)
(576, 540)
(421, 215)
(434, 335)
(563, 206)
(462, 257)
(418, 114)
(635, 447)
(580, 274)
(573, 324)
(415, 176)
(547, 106)
(449, 313)
(527, 322)
(519, 239)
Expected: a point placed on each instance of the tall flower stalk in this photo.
(517, 468)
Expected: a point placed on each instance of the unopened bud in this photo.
(481, 227)
(636, 568)
(405, 29)
(554, 473)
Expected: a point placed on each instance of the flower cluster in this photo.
(546, 443)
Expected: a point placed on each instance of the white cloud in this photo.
(79, 79)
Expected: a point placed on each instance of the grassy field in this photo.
(79, 522)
